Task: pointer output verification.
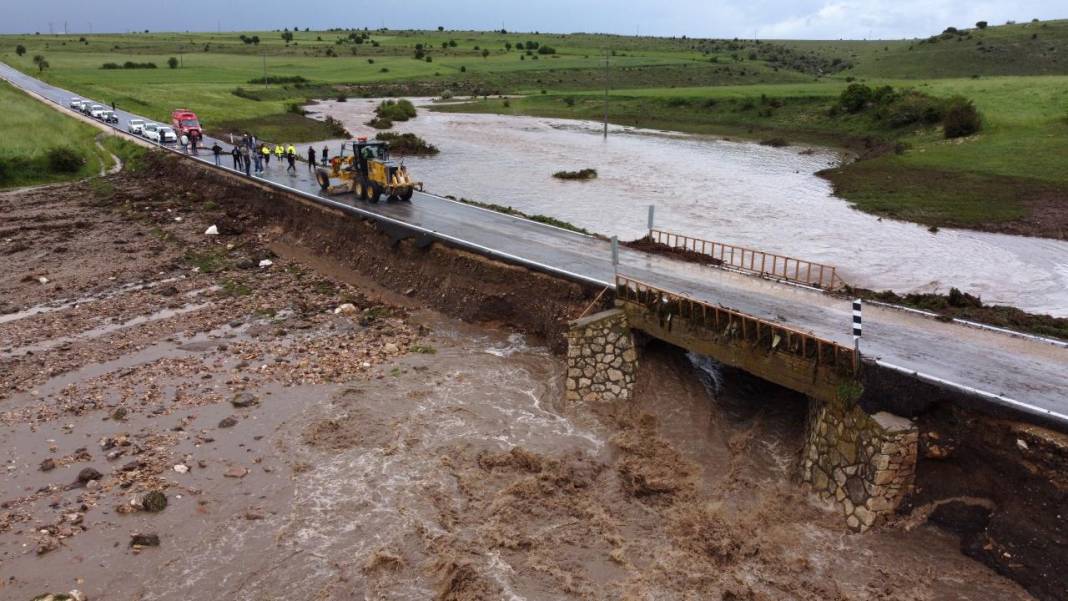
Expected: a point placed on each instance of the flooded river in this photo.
(735, 192)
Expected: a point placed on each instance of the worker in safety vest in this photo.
(265, 150)
(291, 150)
(279, 152)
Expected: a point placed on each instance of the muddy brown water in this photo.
(730, 191)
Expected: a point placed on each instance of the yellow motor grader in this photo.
(368, 173)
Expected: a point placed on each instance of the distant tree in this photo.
(287, 36)
(855, 97)
(20, 50)
(508, 46)
(452, 43)
(981, 24)
(440, 28)
(256, 40)
(485, 53)
(41, 63)
(172, 63)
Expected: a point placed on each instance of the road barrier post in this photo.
(857, 325)
(615, 253)
(652, 209)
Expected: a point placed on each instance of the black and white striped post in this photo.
(857, 325)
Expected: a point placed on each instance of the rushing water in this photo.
(737, 192)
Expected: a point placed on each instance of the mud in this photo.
(386, 451)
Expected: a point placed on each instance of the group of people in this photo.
(250, 155)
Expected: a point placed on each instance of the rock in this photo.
(48, 465)
(211, 231)
(168, 291)
(89, 474)
(254, 514)
(244, 399)
(266, 263)
(181, 468)
(236, 472)
(392, 348)
(154, 501)
(119, 413)
(144, 540)
(42, 280)
(228, 422)
(246, 264)
(346, 309)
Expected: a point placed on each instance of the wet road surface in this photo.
(1021, 372)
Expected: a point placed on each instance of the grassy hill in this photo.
(1008, 177)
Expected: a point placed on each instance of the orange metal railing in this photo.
(755, 261)
(727, 322)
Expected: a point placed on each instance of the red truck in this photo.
(185, 122)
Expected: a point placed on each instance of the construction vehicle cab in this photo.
(368, 172)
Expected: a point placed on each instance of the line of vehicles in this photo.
(368, 173)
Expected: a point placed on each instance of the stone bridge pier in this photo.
(863, 463)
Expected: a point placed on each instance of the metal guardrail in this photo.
(755, 261)
(737, 325)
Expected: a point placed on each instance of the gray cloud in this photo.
(805, 19)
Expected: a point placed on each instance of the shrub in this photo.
(446, 94)
(243, 93)
(914, 108)
(395, 110)
(855, 97)
(583, 174)
(111, 66)
(961, 118)
(775, 142)
(172, 63)
(380, 123)
(407, 143)
(546, 50)
(981, 24)
(569, 101)
(342, 98)
(336, 128)
(63, 159)
(278, 79)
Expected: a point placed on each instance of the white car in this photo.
(78, 105)
(96, 111)
(109, 117)
(136, 127)
(167, 134)
(75, 103)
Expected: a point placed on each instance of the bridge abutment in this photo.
(865, 463)
(602, 362)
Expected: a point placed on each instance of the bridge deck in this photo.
(1029, 374)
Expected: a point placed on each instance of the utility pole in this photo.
(605, 93)
(264, 69)
(65, 32)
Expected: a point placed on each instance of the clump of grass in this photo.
(582, 174)
(775, 142)
(235, 288)
(516, 212)
(210, 261)
(407, 143)
(423, 349)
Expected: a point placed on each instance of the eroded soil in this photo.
(317, 437)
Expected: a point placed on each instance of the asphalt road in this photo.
(1028, 374)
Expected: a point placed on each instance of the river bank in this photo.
(316, 430)
(711, 188)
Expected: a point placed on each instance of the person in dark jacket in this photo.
(236, 153)
(246, 158)
(216, 150)
(311, 158)
(326, 154)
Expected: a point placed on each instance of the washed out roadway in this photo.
(1028, 374)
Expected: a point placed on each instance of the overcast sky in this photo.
(805, 19)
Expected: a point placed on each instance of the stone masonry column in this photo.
(865, 463)
(601, 359)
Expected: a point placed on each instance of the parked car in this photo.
(86, 106)
(160, 133)
(96, 111)
(136, 127)
(109, 117)
(75, 103)
(78, 106)
(167, 134)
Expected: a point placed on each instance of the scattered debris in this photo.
(144, 540)
(88, 475)
(244, 399)
(347, 308)
(154, 501)
(266, 263)
(212, 231)
(236, 472)
(228, 422)
(48, 465)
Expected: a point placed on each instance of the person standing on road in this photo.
(194, 139)
(216, 150)
(246, 158)
(291, 150)
(292, 158)
(257, 157)
(236, 153)
(311, 158)
(279, 153)
(184, 141)
(265, 151)
(326, 151)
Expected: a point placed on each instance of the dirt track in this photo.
(382, 451)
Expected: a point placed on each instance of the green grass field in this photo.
(23, 155)
(1017, 75)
